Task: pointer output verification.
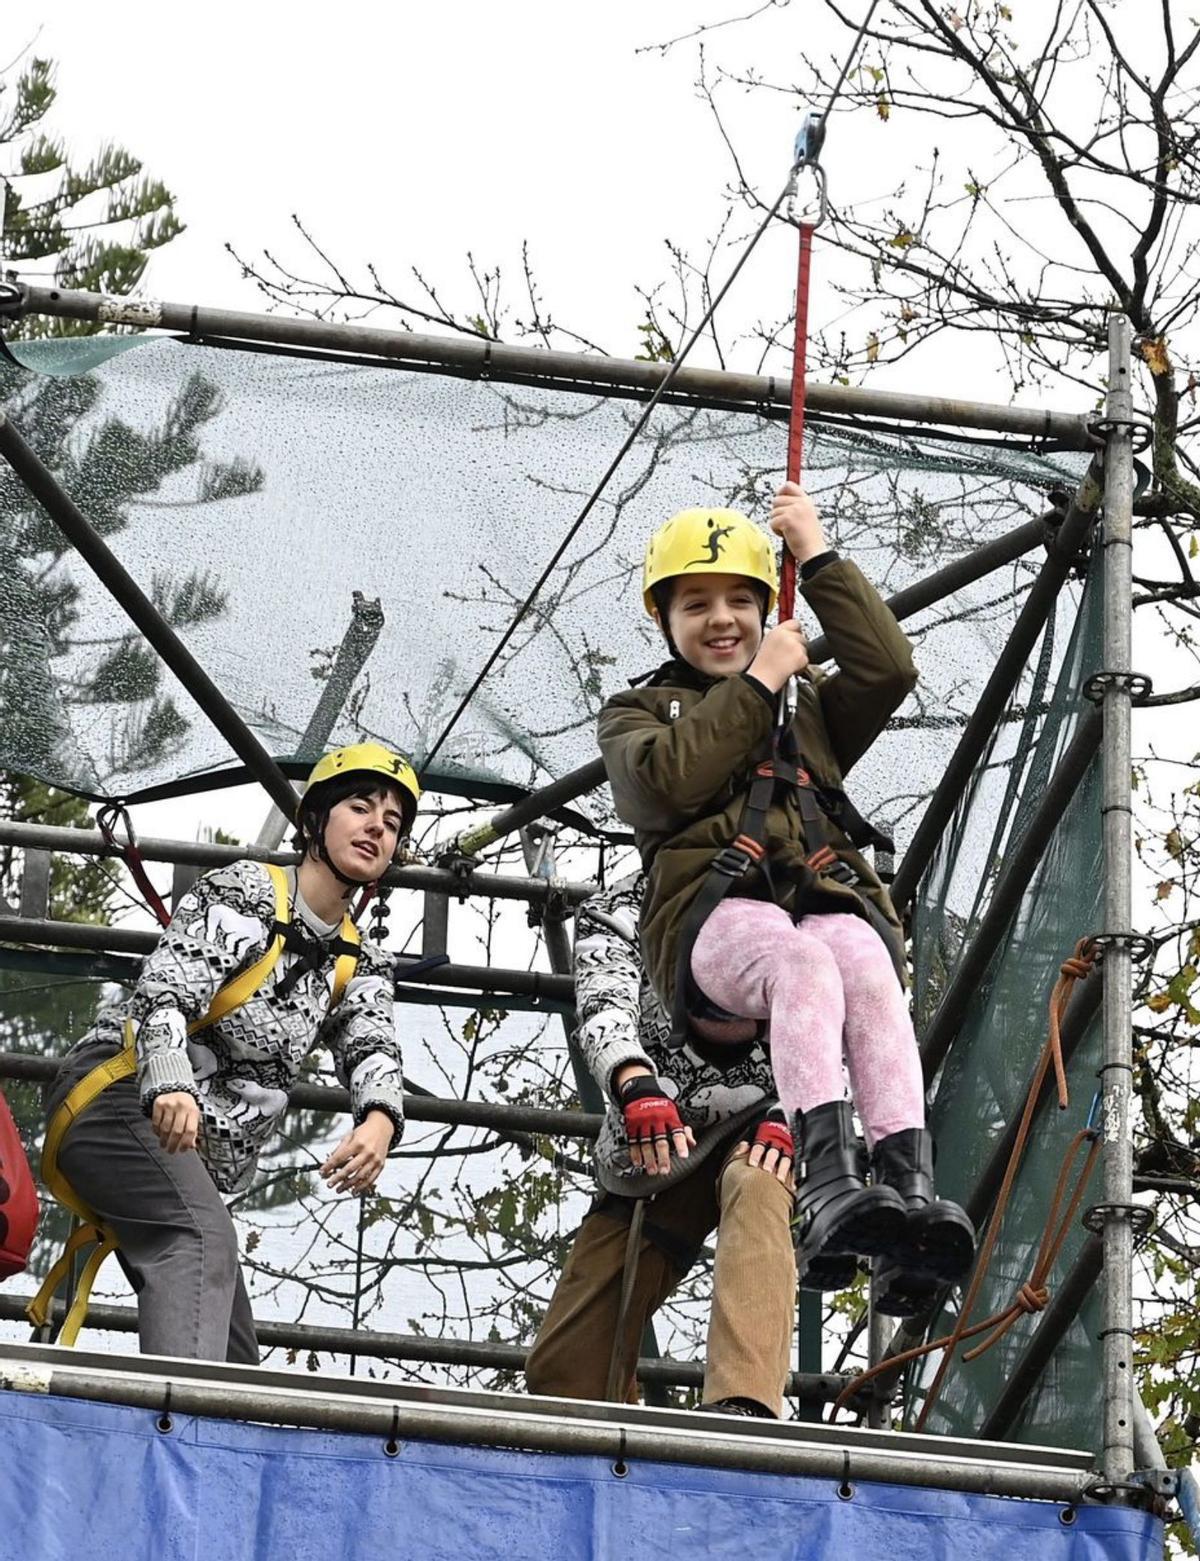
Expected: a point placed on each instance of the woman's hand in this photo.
(355, 1164)
(794, 518)
(175, 1118)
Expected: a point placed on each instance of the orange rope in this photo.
(1034, 1294)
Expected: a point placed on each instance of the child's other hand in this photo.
(794, 518)
(782, 655)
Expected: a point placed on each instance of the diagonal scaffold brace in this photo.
(112, 574)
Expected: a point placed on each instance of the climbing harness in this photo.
(92, 1231)
(819, 806)
(1034, 1294)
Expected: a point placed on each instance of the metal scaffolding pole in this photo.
(1007, 672)
(366, 624)
(206, 853)
(417, 1108)
(626, 1433)
(973, 566)
(477, 358)
(112, 574)
(1118, 1212)
(131, 940)
(904, 604)
(484, 1353)
(1021, 859)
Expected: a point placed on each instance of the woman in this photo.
(170, 1099)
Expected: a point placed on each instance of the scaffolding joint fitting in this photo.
(1133, 1492)
(1140, 947)
(1097, 1217)
(1138, 685)
(1139, 429)
(12, 297)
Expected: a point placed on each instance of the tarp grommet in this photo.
(391, 1447)
(164, 1422)
(1067, 1516)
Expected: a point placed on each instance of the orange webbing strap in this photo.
(92, 1230)
(1034, 1294)
(795, 450)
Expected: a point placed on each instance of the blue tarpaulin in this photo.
(98, 1482)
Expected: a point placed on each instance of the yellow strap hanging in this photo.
(92, 1230)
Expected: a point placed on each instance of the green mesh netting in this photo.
(251, 495)
(983, 1082)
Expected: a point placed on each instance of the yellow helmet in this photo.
(709, 542)
(370, 759)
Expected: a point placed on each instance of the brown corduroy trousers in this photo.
(754, 1287)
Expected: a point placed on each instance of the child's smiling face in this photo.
(716, 622)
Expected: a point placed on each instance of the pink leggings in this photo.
(822, 982)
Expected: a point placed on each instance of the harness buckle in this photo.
(732, 861)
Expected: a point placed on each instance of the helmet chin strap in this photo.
(351, 884)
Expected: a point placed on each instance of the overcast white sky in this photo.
(412, 134)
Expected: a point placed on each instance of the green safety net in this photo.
(252, 495)
(983, 1083)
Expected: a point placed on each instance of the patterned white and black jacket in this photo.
(240, 1069)
(621, 1020)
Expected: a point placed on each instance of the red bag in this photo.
(18, 1198)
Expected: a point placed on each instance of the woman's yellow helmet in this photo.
(370, 759)
(709, 542)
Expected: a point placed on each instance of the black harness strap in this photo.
(818, 805)
(313, 952)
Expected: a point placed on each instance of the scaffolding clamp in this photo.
(1144, 1487)
(1137, 685)
(12, 297)
(1141, 948)
(1140, 1217)
(1139, 429)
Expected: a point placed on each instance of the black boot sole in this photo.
(872, 1223)
(828, 1271)
(898, 1293)
(938, 1243)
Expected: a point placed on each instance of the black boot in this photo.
(938, 1241)
(897, 1293)
(826, 1270)
(836, 1213)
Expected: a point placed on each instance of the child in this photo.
(731, 1168)
(758, 905)
(192, 1073)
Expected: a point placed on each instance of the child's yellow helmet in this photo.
(709, 542)
(370, 759)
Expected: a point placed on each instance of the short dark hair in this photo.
(319, 801)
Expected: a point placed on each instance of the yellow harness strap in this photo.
(92, 1231)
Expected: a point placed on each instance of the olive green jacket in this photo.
(681, 749)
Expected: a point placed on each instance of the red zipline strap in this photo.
(795, 449)
(131, 856)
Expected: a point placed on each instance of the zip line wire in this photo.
(647, 412)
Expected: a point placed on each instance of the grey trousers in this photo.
(178, 1245)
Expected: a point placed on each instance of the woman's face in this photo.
(716, 622)
(361, 834)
